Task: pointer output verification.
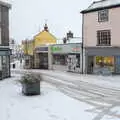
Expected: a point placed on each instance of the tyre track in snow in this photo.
(103, 104)
(89, 88)
(85, 88)
(85, 91)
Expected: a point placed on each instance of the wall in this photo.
(44, 38)
(4, 25)
(91, 25)
(30, 47)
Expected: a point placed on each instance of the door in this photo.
(117, 64)
(43, 60)
(90, 64)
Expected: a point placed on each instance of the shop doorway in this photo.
(73, 62)
(90, 64)
(43, 57)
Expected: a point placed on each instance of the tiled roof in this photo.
(102, 4)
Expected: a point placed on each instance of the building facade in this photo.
(66, 57)
(36, 51)
(101, 36)
(28, 48)
(41, 44)
(4, 40)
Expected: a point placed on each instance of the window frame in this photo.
(104, 38)
(103, 15)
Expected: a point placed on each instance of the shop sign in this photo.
(56, 48)
(66, 48)
(41, 49)
(76, 49)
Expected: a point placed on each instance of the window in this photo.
(104, 37)
(106, 60)
(59, 59)
(103, 15)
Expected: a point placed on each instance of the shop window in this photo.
(106, 61)
(59, 59)
(5, 66)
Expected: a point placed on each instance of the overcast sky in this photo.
(27, 17)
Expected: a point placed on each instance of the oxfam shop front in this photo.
(66, 57)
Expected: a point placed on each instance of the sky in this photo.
(27, 17)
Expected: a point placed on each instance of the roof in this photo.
(44, 32)
(75, 40)
(5, 3)
(71, 40)
(97, 5)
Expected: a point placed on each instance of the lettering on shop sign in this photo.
(75, 49)
(55, 49)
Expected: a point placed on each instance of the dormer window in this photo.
(103, 15)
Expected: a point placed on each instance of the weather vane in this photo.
(46, 21)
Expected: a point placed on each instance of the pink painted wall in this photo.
(91, 25)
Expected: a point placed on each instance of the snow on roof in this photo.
(102, 4)
(75, 40)
(71, 40)
(5, 3)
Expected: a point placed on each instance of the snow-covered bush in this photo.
(30, 83)
(30, 78)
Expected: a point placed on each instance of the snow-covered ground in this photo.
(18, 64)
(100, 92)
(97, 97)
(50, 105)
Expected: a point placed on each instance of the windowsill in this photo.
(103, 21)
(103, 45)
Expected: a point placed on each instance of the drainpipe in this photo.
(82, 40)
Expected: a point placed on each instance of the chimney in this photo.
(64, 40)
(69, 35)
(46, 27)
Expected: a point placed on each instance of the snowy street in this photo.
(100, 92)
(50, 105)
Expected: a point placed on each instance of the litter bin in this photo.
(13, 65)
